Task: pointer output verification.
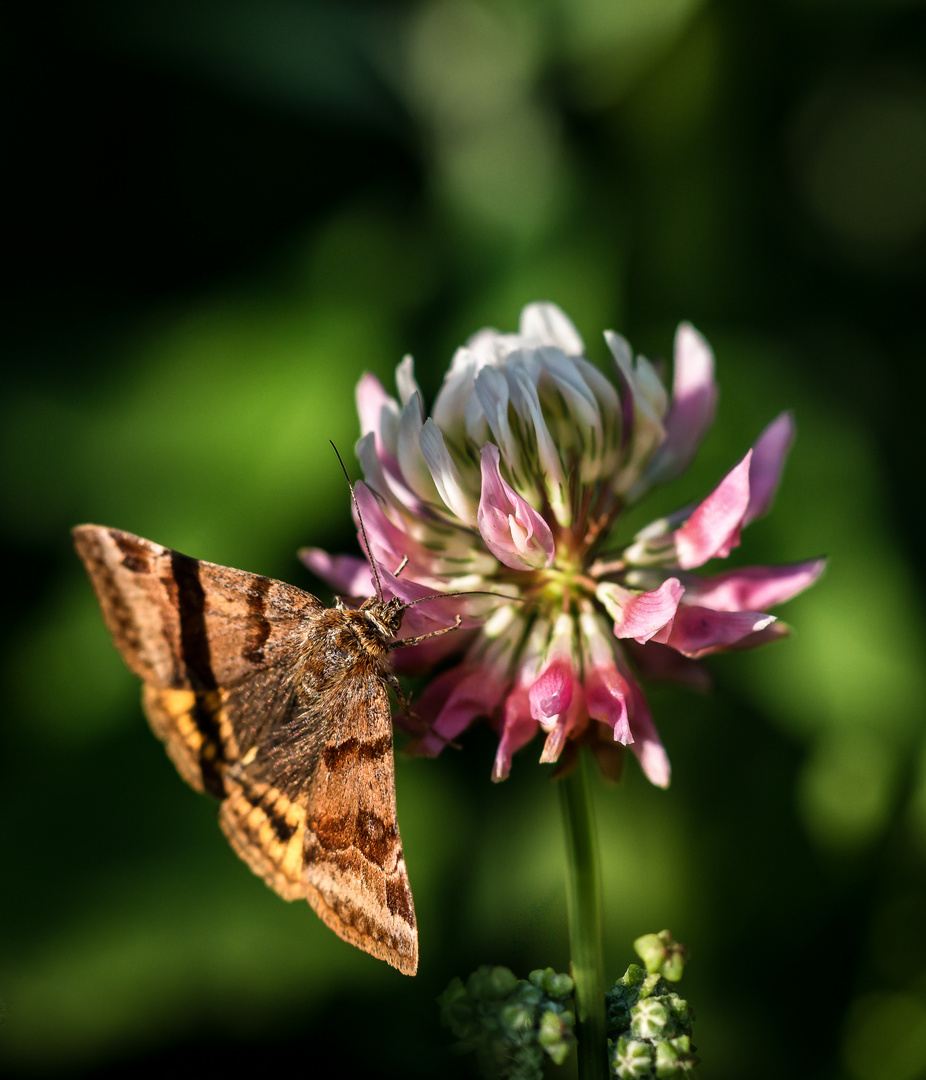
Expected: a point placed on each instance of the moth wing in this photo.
(206, 731)
(312, 810)
(217, 648)
(182, 623)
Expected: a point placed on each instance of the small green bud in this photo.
(511, 1024)
(649, 1025)
(682, 1044)
(551, 1029)
(555, 1035)
(530, 995)
(649, 1019)
(558, 1052)
(491, 983)
(661, 954)
(457, 1010)
(666, 1061)
(653, 984)
(633, 976)
(631, 1058)
(553, 984)
(651, 951)
(516, 1017)
(681, 1013)
(673, 966)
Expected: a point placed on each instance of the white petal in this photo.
(601, 386)
(569, 381)
(622, 353)
(446, 475)
(408, 452)
(548, 324)
(405, 381)
(450, 403)
(650, 387)
(492, 391)
(527, 405)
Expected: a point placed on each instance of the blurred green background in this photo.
(222, 212)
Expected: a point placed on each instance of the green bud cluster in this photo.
(512, 1024)
(649, 1025)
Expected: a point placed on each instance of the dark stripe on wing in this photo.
(191, 612)
(352, 750)
(212, 757)
(258, 626)
(136, 554)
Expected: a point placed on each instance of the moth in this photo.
(279, 707)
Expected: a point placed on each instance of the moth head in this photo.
(384, 615)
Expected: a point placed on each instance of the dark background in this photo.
(219, 214)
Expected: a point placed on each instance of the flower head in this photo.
(515, 485)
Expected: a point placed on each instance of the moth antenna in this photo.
(466, 592)
(363, 531)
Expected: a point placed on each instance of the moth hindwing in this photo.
(277, 706)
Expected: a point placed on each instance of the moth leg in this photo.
(405, 703)
(398, 570)
(405, 642)
(404, 700)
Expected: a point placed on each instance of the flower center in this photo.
(559, 587)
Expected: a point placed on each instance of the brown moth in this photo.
(279, 707)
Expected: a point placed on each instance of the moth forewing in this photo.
(279, 707)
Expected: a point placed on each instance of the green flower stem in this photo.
(584, 906)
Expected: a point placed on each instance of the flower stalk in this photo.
(583, 893)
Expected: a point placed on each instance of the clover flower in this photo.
(514, 485)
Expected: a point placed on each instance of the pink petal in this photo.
(378, 411)
(647, 745)
(390, 543)
(569, 724)
(640, 615)
(768, 458)
(428, 707)
(694, 402)
(555, 695)
(773, 632)
(512, 529)
(753, 588)
(662, 664)
(606, 689)
(606, 698)
(476, 694)
(346, 574)
(435, 612)
(713, 528)
(382, 473)
(698, 631)
(518, 728)
(552, 692)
